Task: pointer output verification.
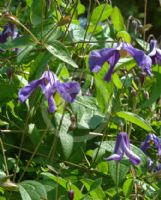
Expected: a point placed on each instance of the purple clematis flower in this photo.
(112, 55)
(49, 84)
(8, 31)
(151, 139)
(122, 147)
(155, 53)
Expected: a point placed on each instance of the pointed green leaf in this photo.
(135, 119)
(101, 13)
(127, 187)
(58, 50)
(117, 19)
(118, 171)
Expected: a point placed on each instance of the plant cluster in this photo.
(80, 102)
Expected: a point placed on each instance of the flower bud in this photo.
(133, 92)
(146, 94)
(142, 77)
(10, 72)
(71, 195)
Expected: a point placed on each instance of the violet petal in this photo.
(140, 57)
(25, 92)
(69, 90)
(132, 156)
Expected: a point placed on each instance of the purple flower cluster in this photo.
(112, 55)
(49, 84)
(122, 146)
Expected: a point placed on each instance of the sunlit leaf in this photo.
(135, 119)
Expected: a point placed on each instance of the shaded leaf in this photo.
(58, 50)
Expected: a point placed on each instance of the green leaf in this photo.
(24, 194)
(96, 184)
(24, 53)
(80, 8)
(124, 36)
(143, 44)
(3, 123)
(117, 19)
(117, 82)
(127, 187)
(36, 12)
(88, 114)
(98, 192)
(8, 89)
(32, 190)
(58, 50)
(118, 171)
(29, 3)
(79, 34)
(103, 167)
(107, 145)
(155, 91)
(62, 182)
(65, 138)
(101, 13)
(40, 62)
(135, 119)
(104, 92)
(16, 43)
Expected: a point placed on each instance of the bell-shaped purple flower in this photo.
(155, 53)
(49, 84)
(8, 31)
(122, 146)
(112, 55)
(150, 140)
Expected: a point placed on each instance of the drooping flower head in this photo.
(49, 84)
(155, 53)
(122, 146)
(149, 141)
(8, 31)
(112, 55)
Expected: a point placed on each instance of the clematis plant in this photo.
(49, 84)
(112, 55)
(149, 141)
(122, 146)
(155, 53)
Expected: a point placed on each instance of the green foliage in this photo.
(48, 155)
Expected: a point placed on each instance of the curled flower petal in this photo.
(151, 139)
(116, 157)
(122, 146)
(25, 92)
(155, 53)
(51, 104)
(68, 90)
(132, 156)
(98, 58)
(140, 57)
(112, 61)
